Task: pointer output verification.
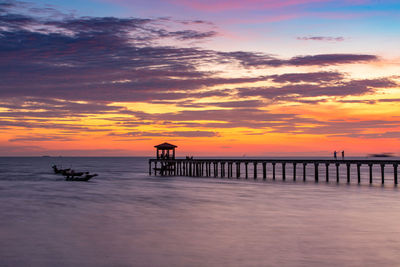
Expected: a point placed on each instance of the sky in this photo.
(216, 78)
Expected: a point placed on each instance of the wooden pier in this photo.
(233, 168)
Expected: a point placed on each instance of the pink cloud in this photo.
(222, 5)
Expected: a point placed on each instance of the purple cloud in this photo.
(321, 38)
(252, 59)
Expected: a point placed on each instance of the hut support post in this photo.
(294, 171)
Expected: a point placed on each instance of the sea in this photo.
(125, 217)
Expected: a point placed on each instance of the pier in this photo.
(167, 165)
(239, 168)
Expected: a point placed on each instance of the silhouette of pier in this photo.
(239, 168)
(167, 165)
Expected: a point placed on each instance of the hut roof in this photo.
(165, 146)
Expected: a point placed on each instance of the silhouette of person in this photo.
(342, 154)
(334, 154)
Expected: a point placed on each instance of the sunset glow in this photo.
(215, 78)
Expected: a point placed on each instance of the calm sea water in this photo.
(123, 217)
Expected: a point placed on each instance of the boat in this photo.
(85, 178)
(62, 171)
(71, 175)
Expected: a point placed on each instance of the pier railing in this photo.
(224, 168)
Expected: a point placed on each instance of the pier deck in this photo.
(225, 168)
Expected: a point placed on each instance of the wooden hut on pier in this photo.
(165, 149)
(166, 152)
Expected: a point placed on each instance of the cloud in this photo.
(313, 77)
(349, 128)
(254, 59)
(353, 87)
(225, 5)
(390, 134)
(57, 73)
(41, 138)
(321, 38)
(168, 134)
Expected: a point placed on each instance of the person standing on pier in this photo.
(342, 154)
(334, 154)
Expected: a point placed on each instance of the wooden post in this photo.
(149, 167)
(370, 172)
(283, 171)
(237, 169)
(294, 171)
(273, 170)
(327, 172)
(383, 172)
(215, 169)
(304, 171)
(174, 168)
(348, 172)
(255, 169)
(222, 169)
(155, 168)
(247, 174)
(231, 165)
(264, 165)
(337, 172)
(316, 171)
(395, 173)
(358, 173)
